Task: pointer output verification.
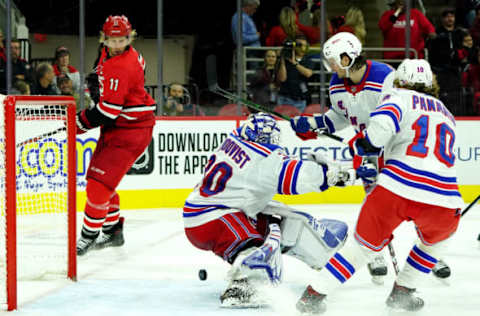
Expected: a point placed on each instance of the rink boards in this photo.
(173, 163)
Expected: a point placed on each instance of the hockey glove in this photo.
(337, 174)
(361, 148)
(83, 125)
(307, 126)
(368, 173)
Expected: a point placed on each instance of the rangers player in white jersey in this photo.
(355, 90)
(418, 183)
(237, 188)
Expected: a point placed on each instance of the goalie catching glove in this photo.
(342, 174)
(309, 126)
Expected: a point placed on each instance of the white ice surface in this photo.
(156, 273)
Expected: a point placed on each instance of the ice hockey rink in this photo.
(156, 273)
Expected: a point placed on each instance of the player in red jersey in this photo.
(124, 113)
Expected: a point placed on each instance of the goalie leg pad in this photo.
(264, 262)
(310, 240)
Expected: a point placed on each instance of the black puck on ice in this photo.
(202, 274)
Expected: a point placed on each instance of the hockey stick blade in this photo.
(224, 93)
(394, 258)
(470, 205)
(37, 138)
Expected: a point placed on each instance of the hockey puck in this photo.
(202, 274)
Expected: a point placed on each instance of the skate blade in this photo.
(392, 311)
(236, 305)
(443, 281)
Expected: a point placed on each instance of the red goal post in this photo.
(38, 191)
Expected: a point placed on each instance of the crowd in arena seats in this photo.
(452, 48)
(285, 80)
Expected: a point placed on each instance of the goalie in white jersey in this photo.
(418, 182)
(231, 212)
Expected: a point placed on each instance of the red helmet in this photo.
(117, 26)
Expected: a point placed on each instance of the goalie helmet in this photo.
(117, 26)
(339, 44)
(261, 128)
(413, 71)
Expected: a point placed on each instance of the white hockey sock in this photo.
(419, 263)
(342, 266)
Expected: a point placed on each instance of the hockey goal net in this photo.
(38, 187)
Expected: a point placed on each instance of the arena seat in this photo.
(231, 110)
(314, 108)
(287, 109)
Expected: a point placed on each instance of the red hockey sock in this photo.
(98, 200)
(113, 212)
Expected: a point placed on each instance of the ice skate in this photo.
(378, 269)
(113, 237)
(241, 294)
(311, 302)
(84, 245)
(402, 298)
(441, 270)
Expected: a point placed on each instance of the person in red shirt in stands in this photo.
(124, 112)
(471, 79)
(287, 29)
(392, 23)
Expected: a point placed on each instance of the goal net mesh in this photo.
(41, 192)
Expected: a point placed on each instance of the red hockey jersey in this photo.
(122, 94)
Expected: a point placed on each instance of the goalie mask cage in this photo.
(38, 187)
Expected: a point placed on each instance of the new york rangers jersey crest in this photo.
(352, 104)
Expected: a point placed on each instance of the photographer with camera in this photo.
(294, 72)
(175, 102)
(178, 102)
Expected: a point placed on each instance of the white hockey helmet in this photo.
(413, 71)
(261, 128)
(338, 44)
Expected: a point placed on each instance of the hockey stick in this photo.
(394, 258)
(230, 96)
(470, 206)
(392, 251)
(37, 138)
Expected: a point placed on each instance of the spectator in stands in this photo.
(178, 102)
(392, 23)
(445, 56)
(293, 74)
(44, 78)
(312, 33)
(62, 66)
(465, 12)
(471, 81)
(303, 14)
(475, 29)
(286, 30)
(250, 35)
(265, 85)
(21, 87)
(355, 24)
(466, 53)
(65, 85)
(20, 67)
